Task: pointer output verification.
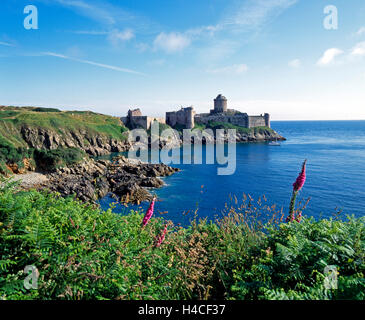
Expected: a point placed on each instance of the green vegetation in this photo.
(46, 110)
(223, 125)
(11, 155)
(84, 253)
(161, 126)
(12, 119)
(44, 159)
(50, 160)
(199, 126)
(13, 148)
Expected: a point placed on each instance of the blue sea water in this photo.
(335, 174)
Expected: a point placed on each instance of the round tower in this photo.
(220, 104)
(267, 120)
(189, 112)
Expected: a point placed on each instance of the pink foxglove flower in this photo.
(161, 238)
(297, 186)
(149, 213)
(299, 183)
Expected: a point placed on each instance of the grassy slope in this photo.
(13, 118)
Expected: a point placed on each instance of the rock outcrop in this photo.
(127, 180)
(95, 145)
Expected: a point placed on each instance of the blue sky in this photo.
(264, 55)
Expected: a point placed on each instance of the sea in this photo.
(335, 184)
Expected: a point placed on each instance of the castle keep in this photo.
(186, 117)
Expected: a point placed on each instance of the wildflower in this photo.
(161, 238)
(299, 217)
(149, 212)
(297, 186)
(299, 183)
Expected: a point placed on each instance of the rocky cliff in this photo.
(92, 143)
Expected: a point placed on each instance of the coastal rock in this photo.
(43, 138)
(94, 179)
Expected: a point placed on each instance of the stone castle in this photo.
(186, 117)
(135, 120)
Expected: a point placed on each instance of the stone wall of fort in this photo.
(238, 119)
(183, 117)
(143, 122)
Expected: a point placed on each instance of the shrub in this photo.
(52, 159)
(46, 110)
(82, 252)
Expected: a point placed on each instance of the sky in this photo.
(108, 56)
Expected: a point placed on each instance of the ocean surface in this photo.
(335, 151)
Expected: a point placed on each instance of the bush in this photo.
(84, 253)
(52, 159)
(11, 155)
(46, 110)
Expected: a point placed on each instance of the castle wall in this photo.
(240, 119)
(256, 121)
(143, 122)
(237, 119)
(184, 117)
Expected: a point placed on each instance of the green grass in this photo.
(13, 118)
(84, 253)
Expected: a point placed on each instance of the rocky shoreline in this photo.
(126, 180)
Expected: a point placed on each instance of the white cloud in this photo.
(358, 50)
(117, 36)
(91, 32)
(101, 65)
(7, 44)
(329, 57)
(92, 11)
(361, 31)
(255, 13)
(171, 42)
(230, 70)
(296, 63)
(114, 36)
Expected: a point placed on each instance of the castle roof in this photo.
(221, 97)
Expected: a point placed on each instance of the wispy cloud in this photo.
(361, 31)
(252, 14)
(171, 42)
(335, 56)
(245, 16)
(358, 50)
(296, 63)
(117, 36)
(114, 36)
(98, 12)
(6, 44)
(329, 57)
(101, 65)
(236, 69)
(91, 32)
